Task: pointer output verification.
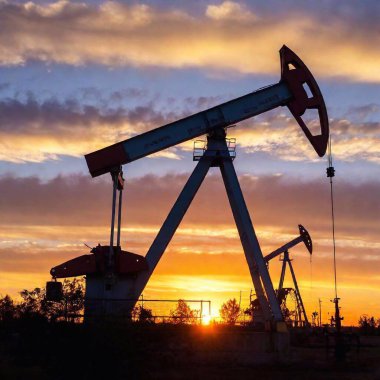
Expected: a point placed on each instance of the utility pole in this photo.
(320, 312)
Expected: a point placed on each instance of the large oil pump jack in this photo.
(115, 278)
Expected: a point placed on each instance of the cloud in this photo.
(364, 112)
(233, 37)
(45, 223)
(4, 86)
(229, 11)
(36, 131)
(81, 201)
(280, 136)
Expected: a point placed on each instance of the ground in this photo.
(38, 350)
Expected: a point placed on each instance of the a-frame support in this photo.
(217, 154)
(300, 306)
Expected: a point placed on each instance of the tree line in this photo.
(369, 325)
(34, 305)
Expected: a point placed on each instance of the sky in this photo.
(78, 76)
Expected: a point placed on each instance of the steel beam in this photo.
(251, 246)
(283, 270)
(284, 248)
(172, 222)
(221, 116)
(298, 294)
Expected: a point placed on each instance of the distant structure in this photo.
(300, 317)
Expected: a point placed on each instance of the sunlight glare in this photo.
(206, 319)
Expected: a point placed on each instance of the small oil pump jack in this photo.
(304, 237)
(129, 280)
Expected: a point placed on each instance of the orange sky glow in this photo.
(76, 77)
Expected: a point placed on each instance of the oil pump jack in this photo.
(304, 237)
(115, 278)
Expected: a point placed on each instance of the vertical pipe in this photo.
(114, 179)
(119, 217)
(113, 208)
(283, 270)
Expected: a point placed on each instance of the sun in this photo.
(206, 319)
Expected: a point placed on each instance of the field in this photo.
(37, 350)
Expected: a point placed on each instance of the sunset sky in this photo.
(78, 76)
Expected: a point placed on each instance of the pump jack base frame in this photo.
(217, 154)
(128, 287)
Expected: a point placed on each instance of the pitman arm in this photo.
(289, 91)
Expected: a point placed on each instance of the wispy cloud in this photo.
(69, 201)
(228, 36)
(45, 130)
(36, 131)
(45, 223)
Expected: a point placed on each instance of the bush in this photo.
(368, 325)
(183, 314)
(33, 304)
(230, 311)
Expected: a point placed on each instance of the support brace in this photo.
(300, 306)
(251, 247)
(217, 154)
(172, 222)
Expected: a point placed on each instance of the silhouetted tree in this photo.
(183, 313)
(367, 324)
(230, 311)
(8, 309)
(34, 303)
(73, 299)
(142, 314)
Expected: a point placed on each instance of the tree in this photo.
(183, 313)
(142, 314)
(367, 324)
(73, 299)
(230, 311)
(8, 309)
(34, 302)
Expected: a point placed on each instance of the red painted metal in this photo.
(295, 74)
(306, 238)
(125, 263)
(107, 159)
(79, 266)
